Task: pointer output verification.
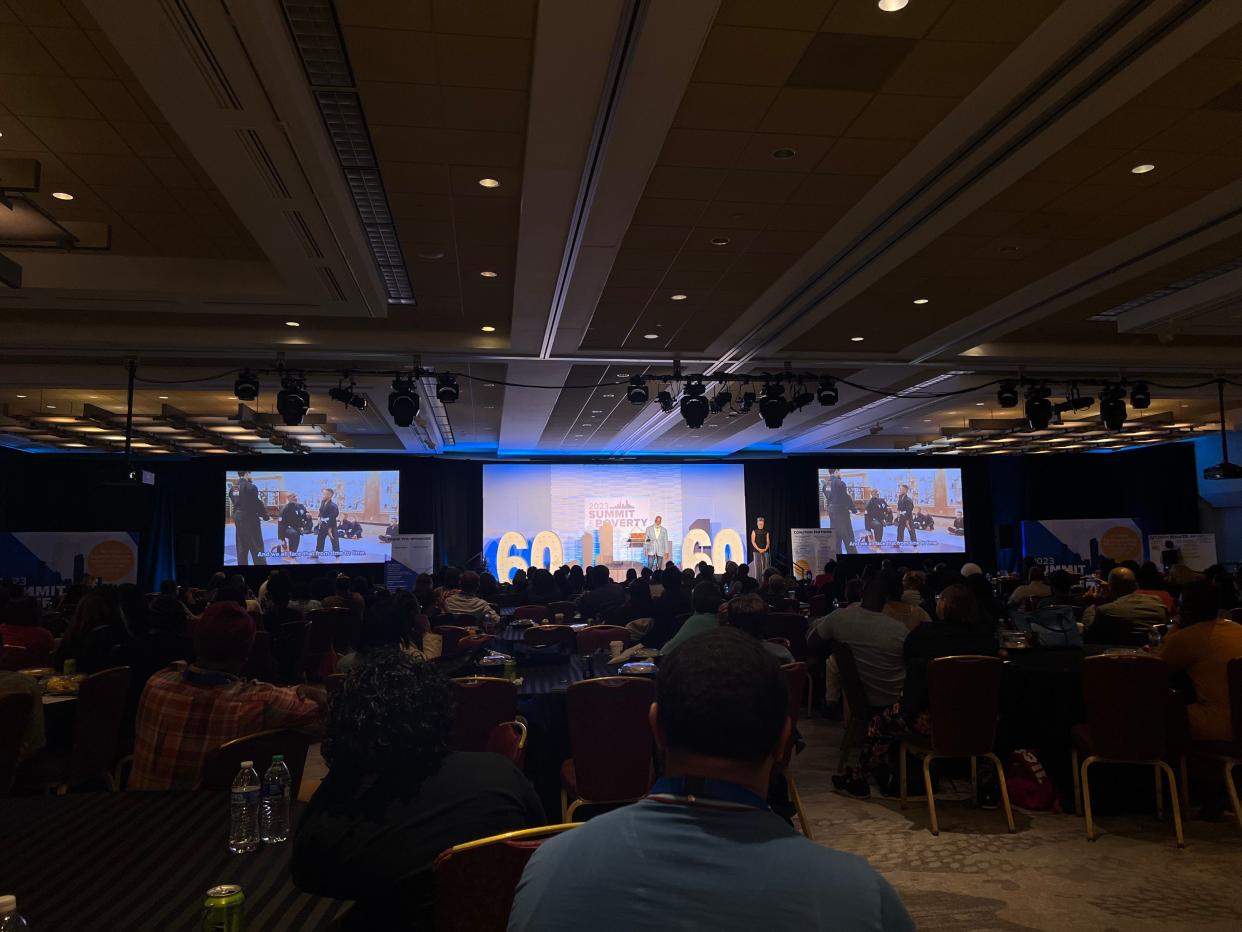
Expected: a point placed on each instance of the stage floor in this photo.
(369, 549)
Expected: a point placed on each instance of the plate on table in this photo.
(63, 685)
(638, 668)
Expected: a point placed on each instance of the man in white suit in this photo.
(656, 544)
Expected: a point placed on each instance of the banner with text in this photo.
(811, 548)
(1077, 544)
(1196, 551)
(411, 554)
(46, 562)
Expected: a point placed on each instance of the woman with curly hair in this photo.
(396, 796)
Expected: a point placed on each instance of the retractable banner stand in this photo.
(1196, 551)
(811, 548)
(1076, 545)
(411, 554)
(46, 562)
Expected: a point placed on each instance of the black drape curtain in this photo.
(782, 492)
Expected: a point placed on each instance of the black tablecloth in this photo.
(134, 861)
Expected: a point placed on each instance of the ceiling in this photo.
(547, 198)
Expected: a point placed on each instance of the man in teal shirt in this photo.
(702, 850)
(706, 600)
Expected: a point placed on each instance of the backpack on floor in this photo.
(1030, 787)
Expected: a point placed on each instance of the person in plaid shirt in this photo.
(188, 710)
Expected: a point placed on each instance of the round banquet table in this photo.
(135, 861)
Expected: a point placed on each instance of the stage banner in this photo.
(1197, 551)
(811, 548)
(411, 554)
(1076, 544)
(46, 562)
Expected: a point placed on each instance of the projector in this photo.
(1223, 471)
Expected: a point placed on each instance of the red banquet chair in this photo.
(542, 635)
(452, 636)
(536, 613)
(610, 739)
(508, 739)
(597, 637)
(796, 676)
(483, 702)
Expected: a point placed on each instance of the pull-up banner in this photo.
(46, 562)
(1076, 544)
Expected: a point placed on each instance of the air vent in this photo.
(183, 21)
(330, 284)
(303, 234)
(343, 116)
(318, 38)
(263, 162)
(1120, 310)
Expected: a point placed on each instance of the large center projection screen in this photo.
(877, 524)
(287, 517)
(548, 515)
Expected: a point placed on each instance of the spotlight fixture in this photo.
(721, 400)
(694, 407)
(772, 406)
(1140, 396)
(665, 400)
(347, 396)
(637, 392)
(827, 392)
(1038, 407)
(446, 388)
(1113, 406)
(1007, 395)
(246, 386)
(801, 398)
(748, 402)
(292, 401)
(403, 401)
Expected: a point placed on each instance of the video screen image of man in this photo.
(906, 509)
(248, 511)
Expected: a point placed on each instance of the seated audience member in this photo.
(489, 589)
(425, 592)
(390, 625)
(631, 577)
(20, 628)
(1151, 582)
(909, 613)
(33, 739)
(97, 638)
(745, 582)
(1127, 617)
(1034, 588)
(466, 601)
(703, 850)
(542, 588)
(668, 609)
(876, 641)
(706, 601)
(746, 613)
(187, 710)
(825, 580)
(343, 596)
(775, 590)
(278, 609)
(990, 610)
(1203, 645)
(1061, 583)
(603, 596)
(575, 581)
(395, 796)
(954, 632)
(638, 607)
(166, 640)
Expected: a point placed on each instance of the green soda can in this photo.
(224, 909)
(510, 669)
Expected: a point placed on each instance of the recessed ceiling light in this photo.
(921, 300)
(978, 404)
(489, 183)
(677, 297)
(892, 6)
(50, 407)
(784, 153)
(857, 339)
(163, 397)
(608, 396)
(1142, 169)
(651, 336)
(292, 323)
(62, 196)
(487, 274)
(588, 424)
(430, 255)
(488, 329)
(597, 412)
(720, 241)
(623, 375)
(23, 396)
(926, 420)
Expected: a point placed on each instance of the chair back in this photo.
(18, 657)
(451, 636)
(819, 606)
(97, 728)
(460, 619)
(471, 642)
(320, 637)
(1126, 697)
(333, 683)
(259, 664)
(222, 764)
(508, 739)
(483, 702)
(963, 693)
(610, 736)
(531, 613)
(796, 675)
(851, 682)
(598, 637)
(15, 712)
(1233, 673)
(791, 606)
(568, 609)
(789, 626)
(289, 650)
(462, 902)
(541, 635)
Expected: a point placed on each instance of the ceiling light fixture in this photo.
(637, 392)
(857, 339)
(827, 393)
(488, 328)
(446, 388)
(246, 387)
(892, 6)
(677, 297)
(720, 241)
(784, 153)
(921, 300)
(665, 400)
(721, 400)
(163, 397)
(694, 407)
(488, 274)
(292, 323)
(346, 395)
(403, 401)
(489, 183)
(62, 196)
(1007, 395)
(23, 396)
(651, 336)
(1140, 396)
(1113, 406)
(1142, 169)
(772, 406)
(1038, 408)
(292, 401)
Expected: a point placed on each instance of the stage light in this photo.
(772, 406)
(292, 401)
(748, 402)
(665, 400)
(637, 391)
(1113, 406)
(446, 388)
(348, 397)
(827, 392)
(1038, 407)
(694, 406)
(1007, 395)
(403, 402)
(801, 398)
(721, 400)
(1140, 396)
(246, 387)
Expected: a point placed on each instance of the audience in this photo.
(1061, 583)
(1127, 616)
(876, 641)
(1034, 588)
(20, 628)
(33, 738)
(603, 596)
(187, 710)
(466, 601)
(747, 614)
(908, 611)
(97, 637)
(1202, 646)
(706, 601)
(343, 596)
(396, 796)
(703, 850)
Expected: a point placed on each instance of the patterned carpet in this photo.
(1046, 876)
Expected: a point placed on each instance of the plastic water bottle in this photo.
(277, 794)
(10, 920)
(244, 810)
